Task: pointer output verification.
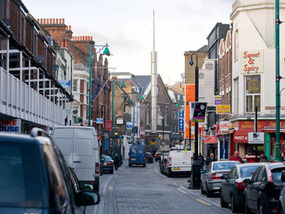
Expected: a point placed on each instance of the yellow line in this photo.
(182, 191)
(203, 202)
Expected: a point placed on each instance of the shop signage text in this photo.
(252, 61)
(10, 126)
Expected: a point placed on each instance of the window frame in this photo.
(253, 95)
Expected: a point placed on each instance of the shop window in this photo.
(74, 85)
(253, 93)
(236, 95)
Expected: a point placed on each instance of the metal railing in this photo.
(21, 101)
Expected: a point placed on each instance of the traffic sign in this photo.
(129, 125)
(99, 120)
(181, 120)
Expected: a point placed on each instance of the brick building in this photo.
(29, 94)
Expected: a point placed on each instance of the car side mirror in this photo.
(247, 181)
(87, 198)
(87, 187)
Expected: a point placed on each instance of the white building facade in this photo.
(253, 69)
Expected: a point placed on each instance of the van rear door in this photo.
(181, 160)
(85, 148)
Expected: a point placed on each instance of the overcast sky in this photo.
(126, 25)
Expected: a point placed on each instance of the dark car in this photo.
(263, 190)
(282, 194)
(148, 157)
(108, 165)
(214, 176)
(35, 179)
(163, 162)
(232, 190)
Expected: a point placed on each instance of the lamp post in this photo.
(105, 52)
(278, 77)
(196, 166)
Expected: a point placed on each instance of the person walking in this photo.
(210, 159)
(116, 161)
(201, 159)
(236, 157)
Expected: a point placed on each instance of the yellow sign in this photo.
(223, 109)
(153, 143)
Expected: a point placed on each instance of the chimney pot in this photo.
(63, 20)
(69, 27)
(59, 21)
(56, 21)
(47, 21)
(44, 21)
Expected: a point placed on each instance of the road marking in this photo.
(203, 202)
(182, 191)
(111, 188)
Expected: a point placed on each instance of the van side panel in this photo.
(63, 138)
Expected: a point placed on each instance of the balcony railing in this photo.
(21, 101)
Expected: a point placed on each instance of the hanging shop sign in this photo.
(255, 137)
(198, 111)
(223, 109)
(181, 120)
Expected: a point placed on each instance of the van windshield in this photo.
(20, 175)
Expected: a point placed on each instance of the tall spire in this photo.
(153, 83)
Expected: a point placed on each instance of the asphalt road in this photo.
(139, 190)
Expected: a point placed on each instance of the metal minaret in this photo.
(153, 83)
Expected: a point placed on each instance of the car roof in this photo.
(73, 127)
(251, 164)
(22, 138)
(275, 165)
(226, 161)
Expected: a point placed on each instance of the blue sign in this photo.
(181, 120)
(129, 125)
(64, 83)
(99, 120)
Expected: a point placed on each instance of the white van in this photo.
(179, 162)
(79, 145)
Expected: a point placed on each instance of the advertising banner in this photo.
(10, 126)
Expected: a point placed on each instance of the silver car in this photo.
(214, 176)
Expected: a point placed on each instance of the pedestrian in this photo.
(210, 159)
(116, 161)
(201, 159)
(282, 156)
(236, 157)
(263, 158)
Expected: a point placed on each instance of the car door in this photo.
(226, 186)
(232, 183)
(207, 175)
(255, 189)
(250, 188)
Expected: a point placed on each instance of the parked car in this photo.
(263, 189)
(282, 194)
(108, 164)
(179, 162)
(149, 157)
(79, 146)
(213, 177)
(163, 162)
(137, 154)
(42, 183)
(232, 190)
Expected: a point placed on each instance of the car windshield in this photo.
(247, 171)
(20, 175)
(108, 158)
(224, 166)
(276, 174)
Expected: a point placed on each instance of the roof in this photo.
(142, 82)
(203, 49)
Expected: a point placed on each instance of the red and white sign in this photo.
(108, 124)
(225, 126)
(210, 139)
(252, 61)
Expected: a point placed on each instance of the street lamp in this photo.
(105, 52)
(196, 166)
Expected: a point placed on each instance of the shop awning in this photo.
(273, 129)
(210, 139)
(241, 135)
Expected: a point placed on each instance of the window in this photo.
(148, 115)
(252, 92)
(247, 171)
(224, 166)
(74, 85)
(236, 95)
(21, 175)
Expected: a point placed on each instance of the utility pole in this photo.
(112, 133)
(90, 83)
(278, 77)
(133, 127)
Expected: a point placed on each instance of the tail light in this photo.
(97, 168)
(110, 163)
(241, 185)
(170, 161)
(215, 177)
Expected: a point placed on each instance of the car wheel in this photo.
(112, 172)
(222, 202)
(130, 165)
(233, 205)
(208, 192)
(144, 165)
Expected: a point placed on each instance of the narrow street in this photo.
(144, 190)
